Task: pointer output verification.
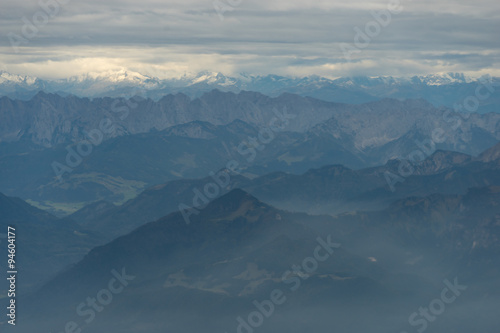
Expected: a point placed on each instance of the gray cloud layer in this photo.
(170, 38)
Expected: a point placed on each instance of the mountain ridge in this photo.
(440, 88)
(224, 259)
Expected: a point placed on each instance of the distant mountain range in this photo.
(444, 89)
(177, 137)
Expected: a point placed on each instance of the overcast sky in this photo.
(169, 38)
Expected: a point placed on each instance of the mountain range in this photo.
(442, 89)
(50, 245)
(384, 253)
(239, 252)
(44, 159)
(250, 204)
(332, 189)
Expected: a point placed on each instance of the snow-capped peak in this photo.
(445, 78)
(213, 78)
(6, 78)
(118, 76)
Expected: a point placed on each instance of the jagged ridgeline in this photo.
(64, 152)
